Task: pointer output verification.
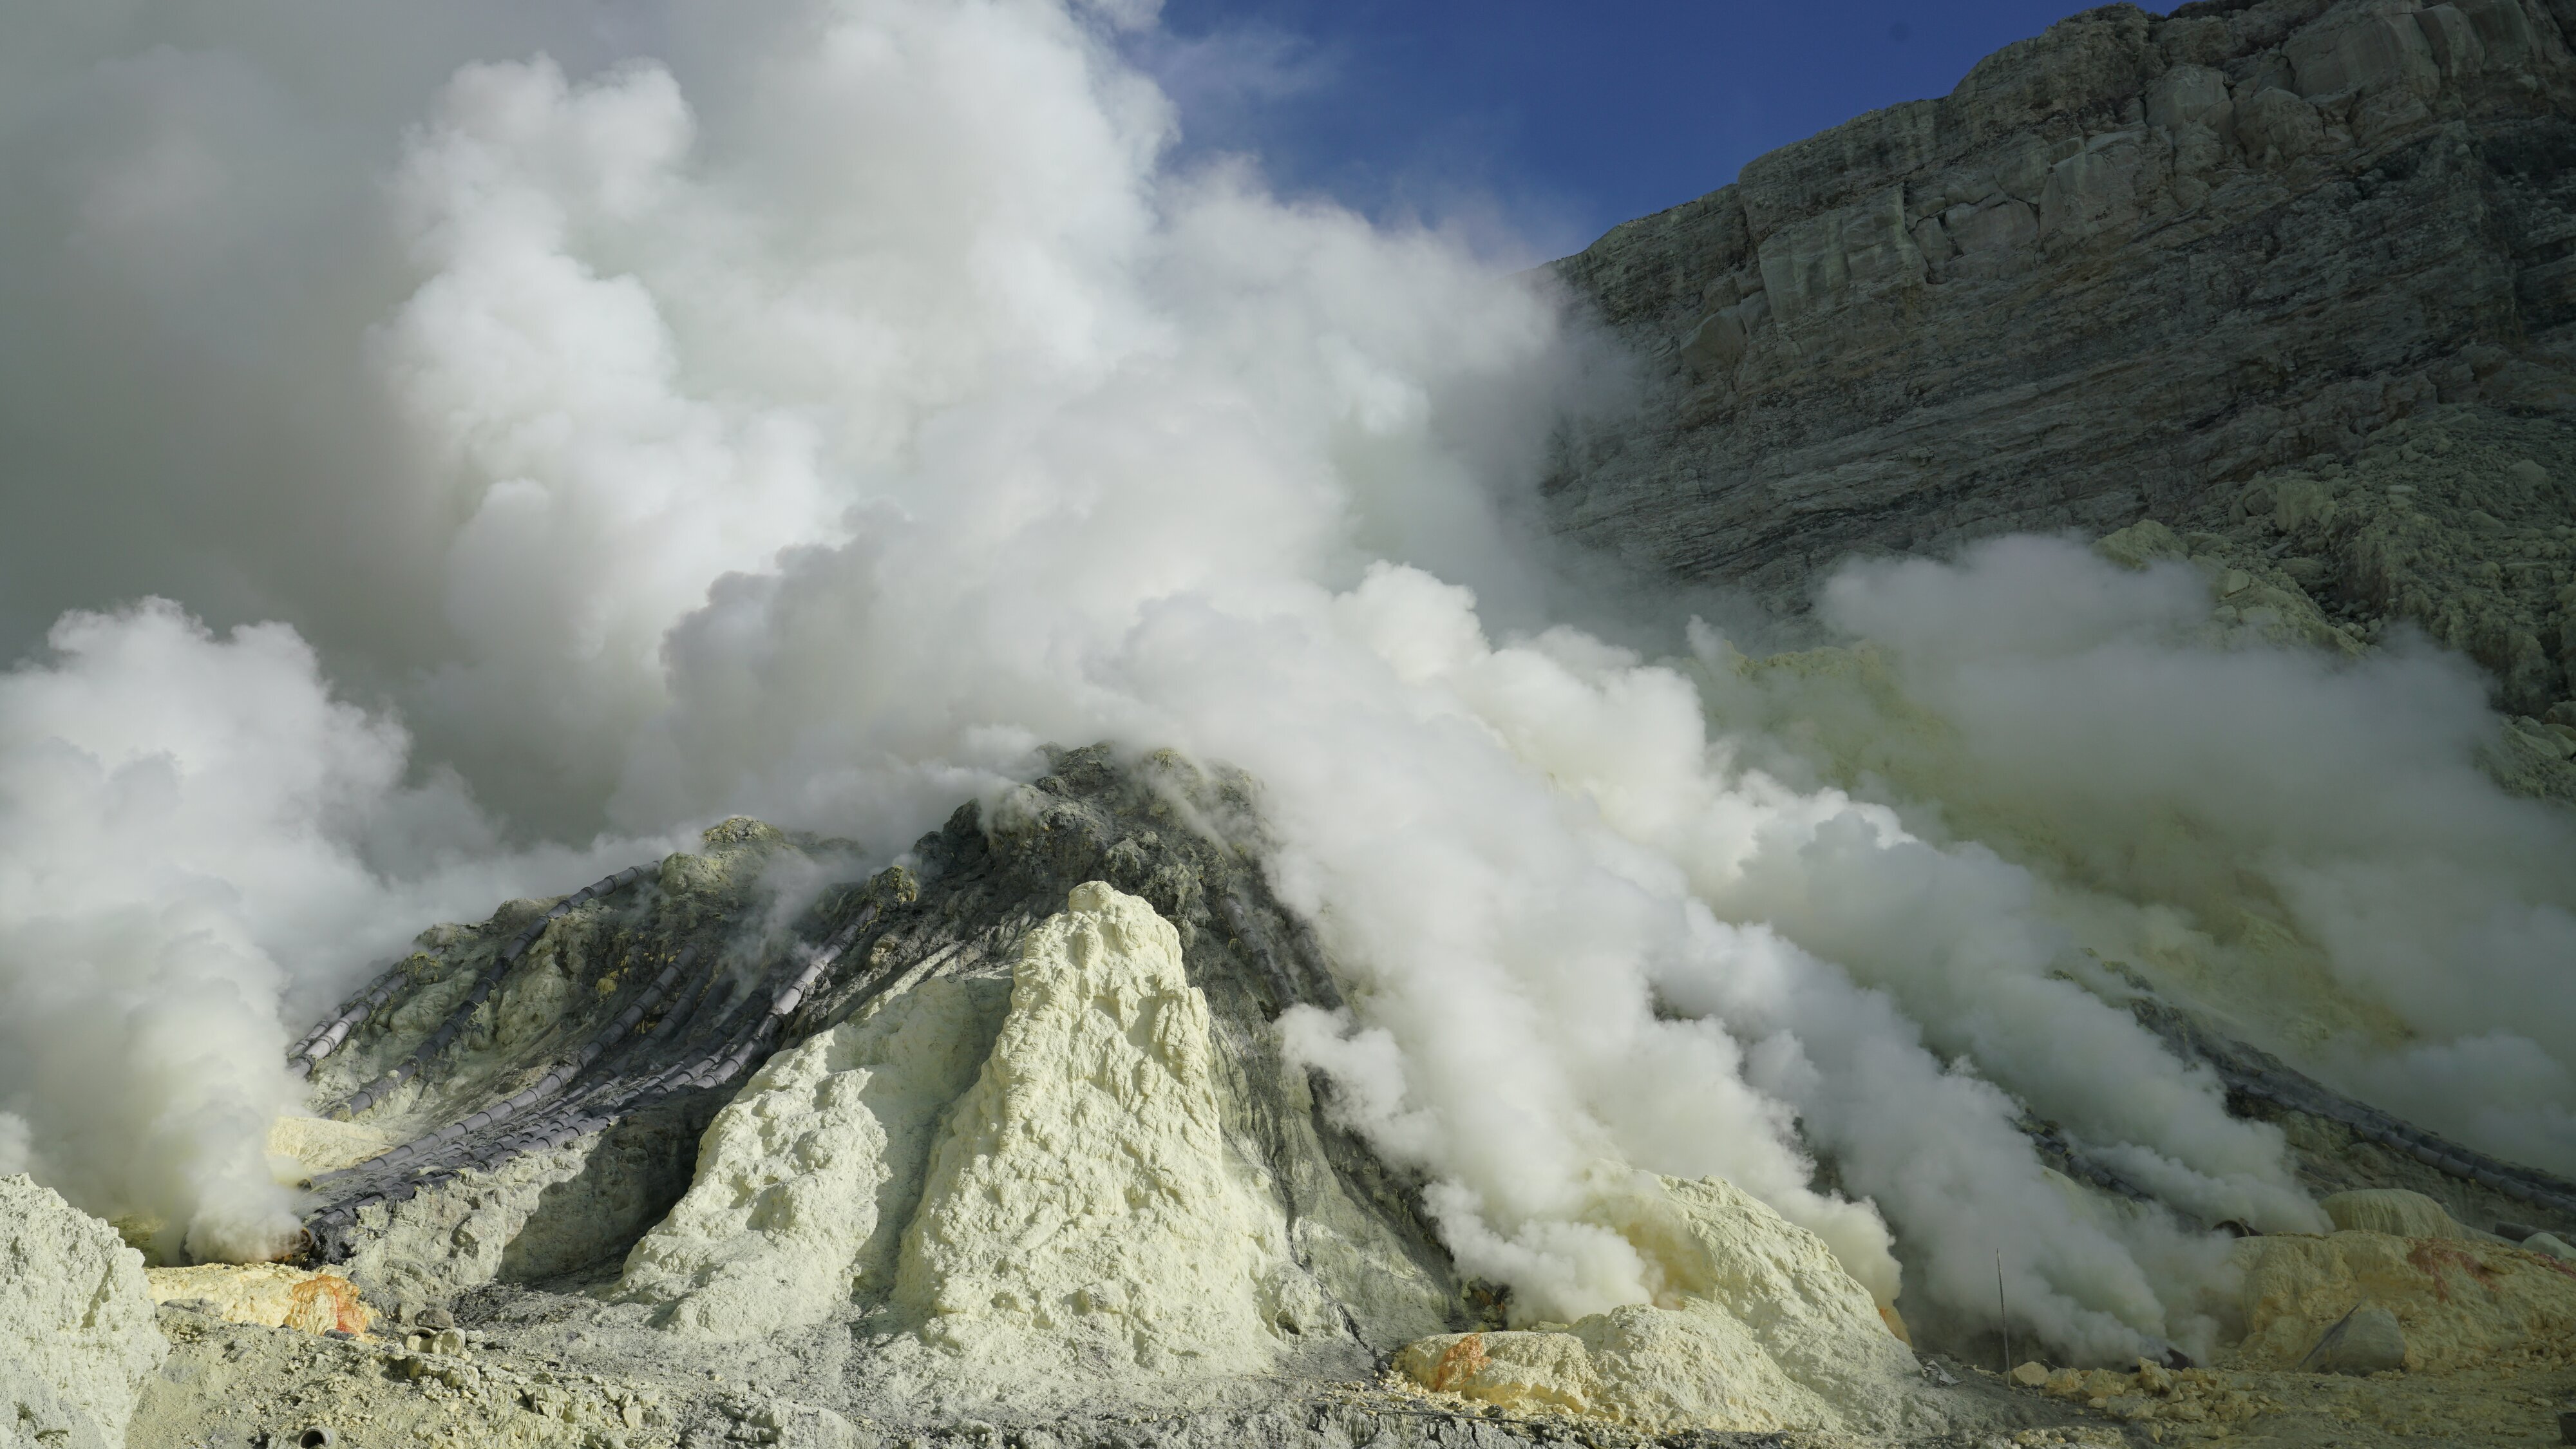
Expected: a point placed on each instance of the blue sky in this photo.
(1549, 119)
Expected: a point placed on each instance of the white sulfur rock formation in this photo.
(1756, 1328)
(77, 1330)
(1085, 1212)
(805, 1180)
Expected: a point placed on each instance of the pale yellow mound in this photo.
(317, 1144)
(2196, 1402)
(1086, 1210)
(2463, 1303)
(1762, 1330)
(2390, 1210)
(266, 1294)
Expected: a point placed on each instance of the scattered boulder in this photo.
(2549, 1245)
(2192, 1396)
(2140, 544)
(2367, 1340)
(77, 1331)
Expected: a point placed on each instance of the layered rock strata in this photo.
(2121, 269)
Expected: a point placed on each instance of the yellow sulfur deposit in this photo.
(317, 1144)
(2392, 1211)
(1761, 1329)
(266, 1294)
(2462, 1303)
(1085, 1208)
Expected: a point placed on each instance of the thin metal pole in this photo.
(2001, 1317)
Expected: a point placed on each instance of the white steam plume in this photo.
(191, 827)
(171, 803)
(816, 418)
(2311, 840)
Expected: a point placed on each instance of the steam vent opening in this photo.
(877, 724)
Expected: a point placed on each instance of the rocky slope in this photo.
(2176, 268)
(998, 1145)
(1012, 1144)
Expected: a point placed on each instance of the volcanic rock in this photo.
(805, 1181)
(2135, 267)
(77, 1339)
(2369, 1341)
(1085, 1206)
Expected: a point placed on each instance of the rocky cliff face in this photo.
(2123, 271)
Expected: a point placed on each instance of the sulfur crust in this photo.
(1085, 1211)
(2463, 1304)
(314, 1145)
(267, 1295)
(806, 1178)
(1759, 1329)
(77, 1340)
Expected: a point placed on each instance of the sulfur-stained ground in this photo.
(240, 1384)
(2270, 1409)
